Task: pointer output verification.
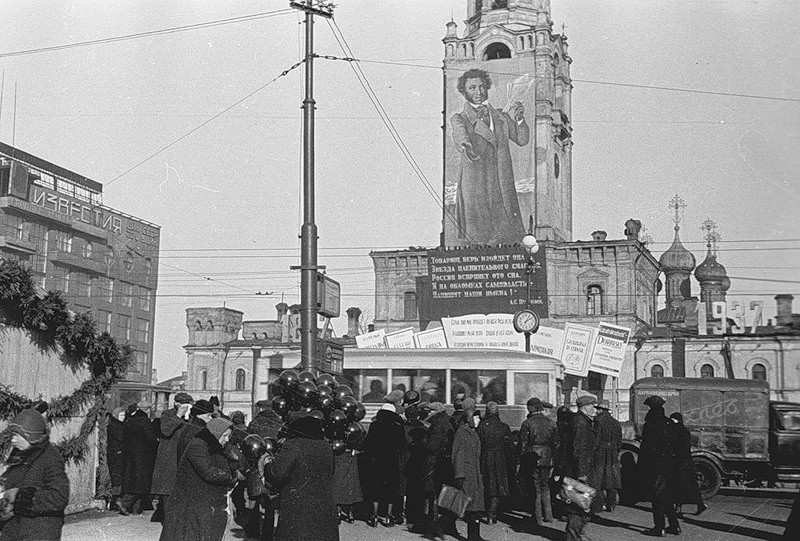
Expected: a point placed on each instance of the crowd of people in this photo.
(193, 457)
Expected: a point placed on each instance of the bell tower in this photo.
(504, 163)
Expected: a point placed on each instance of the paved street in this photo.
(729, 518)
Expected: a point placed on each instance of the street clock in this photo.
(526, 321)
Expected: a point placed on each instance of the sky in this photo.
(195, 131)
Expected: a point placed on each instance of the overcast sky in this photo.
(227, 197)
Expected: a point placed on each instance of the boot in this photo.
(474, 530)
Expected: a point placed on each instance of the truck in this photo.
(738, 433)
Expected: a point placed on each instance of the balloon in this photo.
(338, 447)
(252, 447)
(307, 376)
(354, 434)
(328, 380)
(270, 445)
(307, 394)
(324, 390)
(349, 407)
(317, 414)
(325, 404)
(341, 391)
(337, 422)
(281, 406)
(361, 412)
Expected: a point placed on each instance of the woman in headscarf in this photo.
(684, 488)
(197, 506)
(36, 483)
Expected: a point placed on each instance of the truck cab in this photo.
(737, 433)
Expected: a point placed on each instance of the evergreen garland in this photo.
(74, 337)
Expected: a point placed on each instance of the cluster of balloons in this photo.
(325, 399)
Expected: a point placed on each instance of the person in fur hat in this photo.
(36, 483)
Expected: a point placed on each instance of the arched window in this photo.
(409, 305)
(594, 300)
(449, 49)
(240, 379)
(198, 326)
(471, 50)
(463, 50)
(706, 371)
(522, 42)
(657, 371)
(760, 372)
(496, 51)
(203, 380)
(209, 325)
(530, 42)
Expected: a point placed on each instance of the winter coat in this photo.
(383, 446)
(114, 460)
(166, 468)
(564, 419)
(346, 481)
(467, 465)
(186, 435)
(606, 460)
(656, 465)
(139, 448)
(494, 435)
(684, 489)
(266, 424)
(538, 441)
(197, 505)
(303, 472)
(580, 456)
(43, 494)
(438, 467)
(415, 465)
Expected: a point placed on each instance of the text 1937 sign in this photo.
(485, 280)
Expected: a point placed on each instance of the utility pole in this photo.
(308, 234)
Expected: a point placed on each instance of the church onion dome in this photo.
(677, 258)
(726, 284)
(710, 270)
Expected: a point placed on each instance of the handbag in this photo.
(577, 494)
(453, 500)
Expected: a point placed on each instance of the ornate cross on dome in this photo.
(677, 203)
(711, 236)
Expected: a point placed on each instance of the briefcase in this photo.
(453, 500)
(577, 494)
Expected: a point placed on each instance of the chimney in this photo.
(784, 314)
(599, 236)
(282, 308)
(353, 313)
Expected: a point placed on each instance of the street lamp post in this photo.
(527, 321)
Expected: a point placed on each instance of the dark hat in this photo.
(237, 417)
(29, 424)
(603, 405)
(458, 404)
(469, 404)
(184, 398)
(411, 397)
(654, 401)
(266, 403)
(535, 404)
(214, 400)
(585, 400)
(202, 407)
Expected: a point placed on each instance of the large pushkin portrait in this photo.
(489, 159)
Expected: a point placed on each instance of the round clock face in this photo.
(526, 321)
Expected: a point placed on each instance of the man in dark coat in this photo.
(200, 413)
(685, 489)
(467, 474)
(166, 468)
(139, 448)
(36, 484)
(197, 507)
(438, 467)
(385, 442)
(267, 423)
(580, 462)
(609, 443)
(494, 435)
(538, 441)
(657, 466)
(303, 473)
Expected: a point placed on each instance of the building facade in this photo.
(103, 260)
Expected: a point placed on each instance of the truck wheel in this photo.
(708, 476)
